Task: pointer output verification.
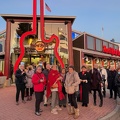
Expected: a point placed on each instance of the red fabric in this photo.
(38, 86)
(83, 72)
(80, 92)
(52, 77)
(1, 74)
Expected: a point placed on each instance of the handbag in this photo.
(55, 85)
(70, 89)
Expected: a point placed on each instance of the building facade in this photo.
(91, 50)
(35, 50)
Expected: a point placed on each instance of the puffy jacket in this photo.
(38, 86)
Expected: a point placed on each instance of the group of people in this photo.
(65, 87)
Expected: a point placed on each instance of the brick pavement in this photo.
(9, 110)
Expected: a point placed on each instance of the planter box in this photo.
(2, 80)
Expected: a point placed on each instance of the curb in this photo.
(115, 114)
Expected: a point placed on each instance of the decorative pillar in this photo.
(69, 26)
(7, 49)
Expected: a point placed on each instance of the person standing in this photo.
(54, 89)
(111, 82)
(85, 80)
(29, 84)
(64, 101)
(46, 72)
(20, 83)
(96, 83)
(117, 81)
(103, 73)
(72, 79)
(39, 82)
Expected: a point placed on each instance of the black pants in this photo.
(27, 91)
(39, 99)
(115, 93)
(104, 89)
(73, 100)
(20, 88)
(100, 95)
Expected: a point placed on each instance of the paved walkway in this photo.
(10, 111)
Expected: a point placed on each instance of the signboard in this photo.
(39, 46)
(111, 51)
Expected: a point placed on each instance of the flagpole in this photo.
(102, 32)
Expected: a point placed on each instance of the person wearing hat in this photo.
(84, 91)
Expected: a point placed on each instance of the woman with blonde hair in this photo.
(72, 80)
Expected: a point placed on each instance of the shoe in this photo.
(71, 110)
(40, 110)
(28, 99)
(86, 105)
(53, 111)
(45, 105)
(37, 113)
(58, 108)
(64, 106)
(83, 104)
(17, 103)
(60, 105)
(23, 101)
(95, 104)
(77, 113)
(101, 103)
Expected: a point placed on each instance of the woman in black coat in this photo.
(20, 83)
(85, 77)
(111, 82)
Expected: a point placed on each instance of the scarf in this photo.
(52, 77)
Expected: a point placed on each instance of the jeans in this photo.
(39, 99)
(20, 88)
(73, 100)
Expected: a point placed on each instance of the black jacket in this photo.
(117, 80)
(111, 79)
(19, 77)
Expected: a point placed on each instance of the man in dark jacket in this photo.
(46, 72)
(96, 82)
(111, 82)
(20, 83)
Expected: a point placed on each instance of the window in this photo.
(110, 45)
(105, 44)
(98, 45)
(1, 48)
(90, 43)
(116, 47)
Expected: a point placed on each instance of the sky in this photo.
(91, 15)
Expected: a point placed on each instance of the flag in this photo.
(47, 7)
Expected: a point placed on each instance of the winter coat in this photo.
(38, 86)
(85, 86)
(117, 80)
(111, 79)
(72, 79)
(95, 79)
(29, 75)
(19, 77)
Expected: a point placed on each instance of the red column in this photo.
(70, 43)
(7, 49)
